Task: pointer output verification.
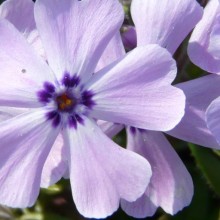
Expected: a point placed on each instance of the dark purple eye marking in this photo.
(55, 117)
(49, 87)
(87, 99)
(74, 119)
(47, 93)
(68, 103)
(70, 81)
(52, 114)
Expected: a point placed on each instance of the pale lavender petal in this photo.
(200, 49)
(141, 208)
(9, 112)
(214, 42)
(34, 40)
(66, 175)
(109, 128)
(199, 94)
(114, 51)
(20, 13)
(23, 72)
(25, 143)
(101, 172)
(171, 185)
(165, 22)
(213, 118)
(75, 33)
(56, 164)
(136, 90)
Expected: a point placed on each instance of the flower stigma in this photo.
(65, 102)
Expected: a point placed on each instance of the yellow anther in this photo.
(64, 102)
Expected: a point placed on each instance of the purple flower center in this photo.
(69, 101)
(65, 102)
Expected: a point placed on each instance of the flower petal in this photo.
(214, 45)
(75, 33)
(20, 13)
(199, 94)
(11, 10)
(109, 128)
(25, 143)
(129, 37)
(213, 118)
(141, 208)
(136, 91)
(56, 164)
(166, 22)
(22, 71)
(9, 112)
(114, 51)
(34, 40)
(171, 185)
(203, 38)
(101, 172)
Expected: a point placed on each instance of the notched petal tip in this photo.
(102, 172)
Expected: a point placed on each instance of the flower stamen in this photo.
(64, 102)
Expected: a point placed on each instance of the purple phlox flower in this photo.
(173, 189)
(62, 97)
(192, 128)
(204, 44)
(204, 51)
(177, 195)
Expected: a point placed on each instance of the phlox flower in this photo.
(204, 51)
(171, 186)
(62, 96)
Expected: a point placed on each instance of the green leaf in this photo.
(209, 163)
(53, 190)
(32, 216)
(217, 152)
